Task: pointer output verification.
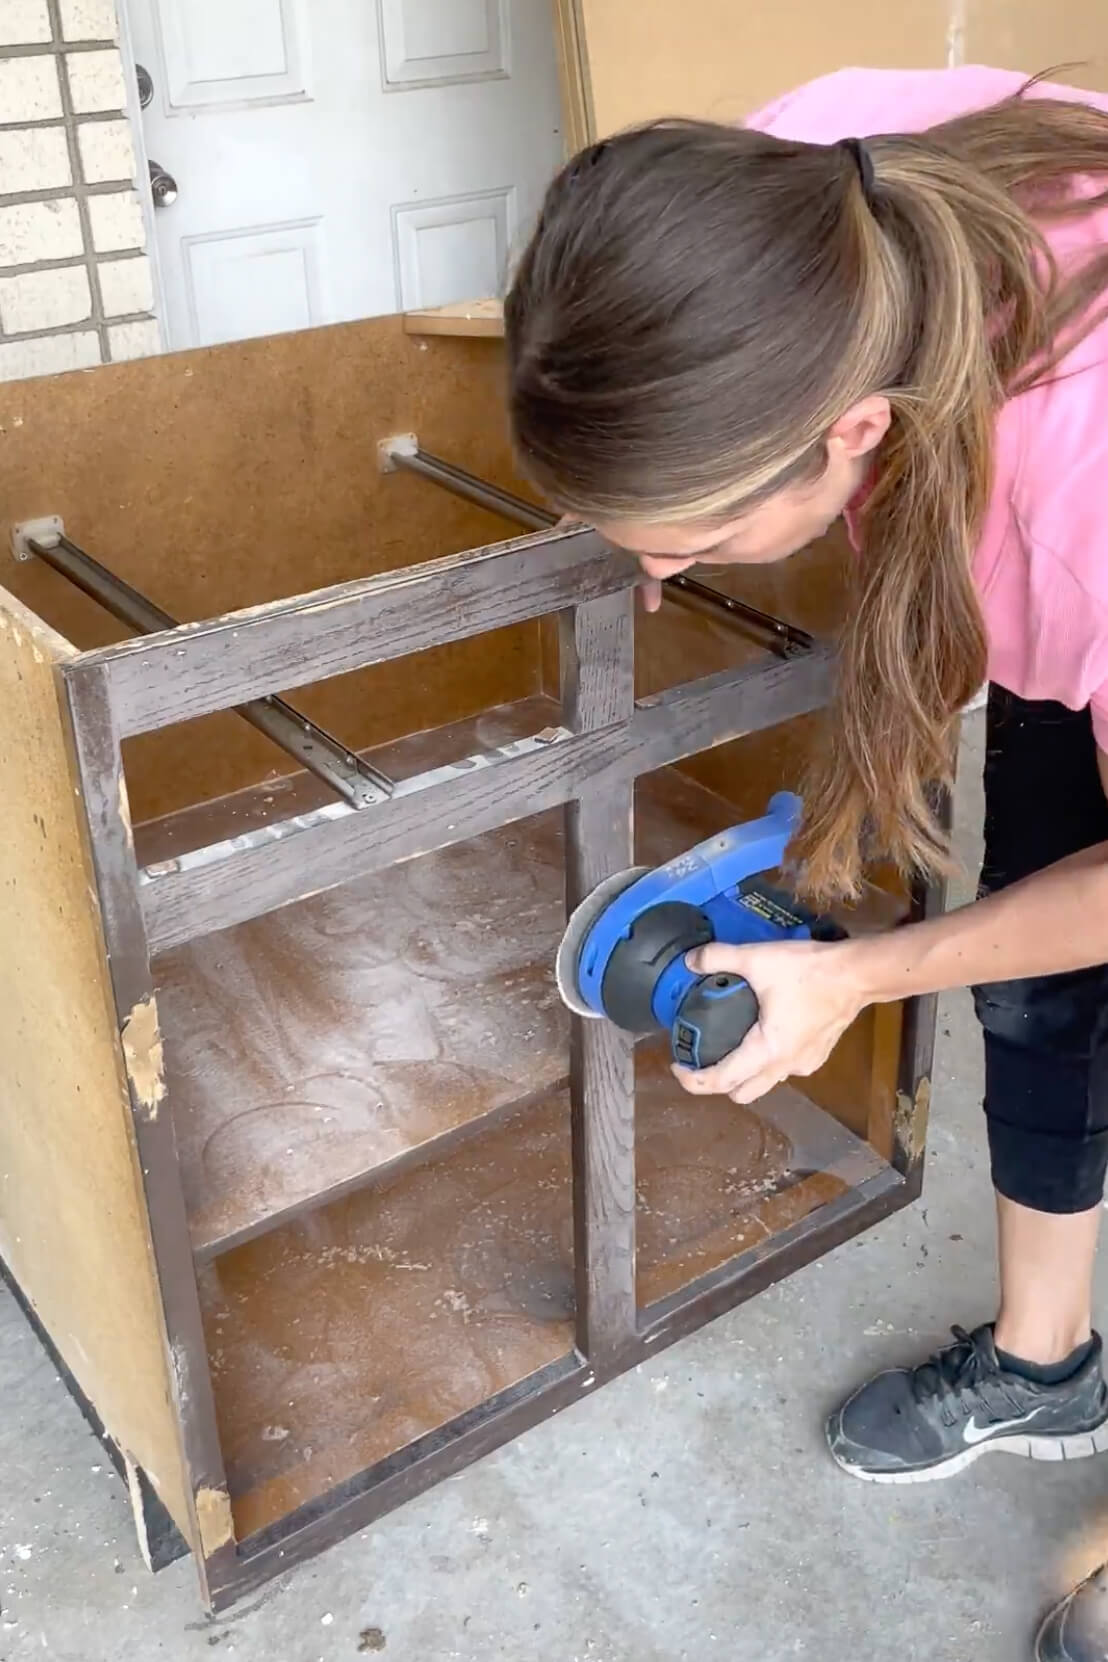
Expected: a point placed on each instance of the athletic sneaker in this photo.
(1078, 1630)
(917, 1424)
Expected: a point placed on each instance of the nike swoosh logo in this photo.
(974, 1433)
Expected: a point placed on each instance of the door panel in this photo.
(425, 41)
(261, 282)
(217, 53)
(337, 159)
(457, 244)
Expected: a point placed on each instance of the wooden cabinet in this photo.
(307, 1178)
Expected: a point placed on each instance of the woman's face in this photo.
(776, 527)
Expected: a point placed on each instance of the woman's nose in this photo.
(663, 568)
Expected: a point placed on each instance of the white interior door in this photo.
(337, 159)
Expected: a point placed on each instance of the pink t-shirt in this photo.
(1041, 566)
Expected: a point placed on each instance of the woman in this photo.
(720, 340)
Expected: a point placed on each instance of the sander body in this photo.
(623, 953)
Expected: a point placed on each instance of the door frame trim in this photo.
(133, 113)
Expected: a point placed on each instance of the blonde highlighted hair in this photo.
(700, 303)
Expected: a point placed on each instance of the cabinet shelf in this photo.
(481, 318)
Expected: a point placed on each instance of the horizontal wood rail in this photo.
(227, 883)
(203, 667)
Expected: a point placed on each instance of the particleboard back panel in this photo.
(243, 473)
(72, 1222)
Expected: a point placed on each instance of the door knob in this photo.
(145, 85)
(163, 186)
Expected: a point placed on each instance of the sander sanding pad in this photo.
(581, 921)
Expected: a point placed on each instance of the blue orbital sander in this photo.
(623, 953)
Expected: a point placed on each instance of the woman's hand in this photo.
(808, 994)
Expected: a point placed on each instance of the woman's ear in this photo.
(862, 428)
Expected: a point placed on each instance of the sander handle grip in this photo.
(712, 1020)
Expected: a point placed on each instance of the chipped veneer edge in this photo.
(142, 1055)
(134, 1494)
(910, 1121)
(214, 1519)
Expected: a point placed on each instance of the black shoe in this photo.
(1078, 1630)
(916, 1424)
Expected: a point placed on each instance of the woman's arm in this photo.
(810, 992)
(1056, 920)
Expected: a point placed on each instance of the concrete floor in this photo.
(687, 1511)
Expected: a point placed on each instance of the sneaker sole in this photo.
(1079, 1446)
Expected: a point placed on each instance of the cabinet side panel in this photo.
(73, 1230)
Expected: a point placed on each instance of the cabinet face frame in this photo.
(588, 767)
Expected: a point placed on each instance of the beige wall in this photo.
(720, 59)
(1040, 34)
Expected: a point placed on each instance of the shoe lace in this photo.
(955, 1377)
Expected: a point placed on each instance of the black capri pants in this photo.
(1046, 1038)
